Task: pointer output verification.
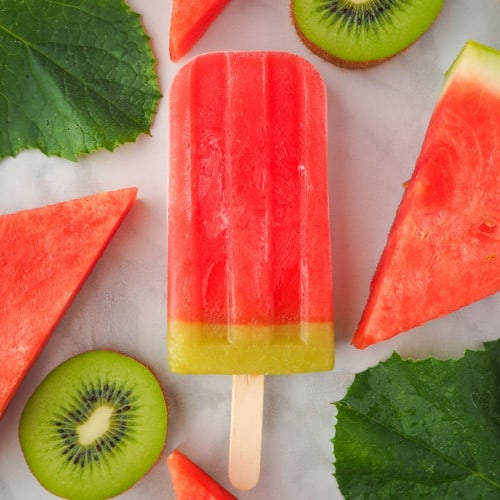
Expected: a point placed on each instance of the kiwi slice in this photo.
(94, 426)
(361, 33)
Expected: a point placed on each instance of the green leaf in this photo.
(422, 429)
(75, 76)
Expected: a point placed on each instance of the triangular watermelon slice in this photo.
(45, 256)
(190, 482)
(443, 250)
(189, 21)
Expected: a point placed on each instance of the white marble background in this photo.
(377, 121)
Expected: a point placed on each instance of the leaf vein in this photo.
(421, 443)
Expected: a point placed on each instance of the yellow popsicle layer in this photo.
(195, 348)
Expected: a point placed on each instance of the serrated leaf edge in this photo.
(134, 132)
(395, 356)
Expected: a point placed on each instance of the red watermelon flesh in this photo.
(190, 482)
(443, 250)
(189, 21)
(45, 256)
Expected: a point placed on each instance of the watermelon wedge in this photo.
(45, 256)
(189, 21)
(443, 250)
(190, 482)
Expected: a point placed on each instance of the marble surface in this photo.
(377, 120)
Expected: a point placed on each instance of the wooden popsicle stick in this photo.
(245, 441)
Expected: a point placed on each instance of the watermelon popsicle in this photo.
(249, 260)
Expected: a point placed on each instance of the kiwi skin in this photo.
(340, 62)
(67, 398)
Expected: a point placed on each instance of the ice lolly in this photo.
(249, 260)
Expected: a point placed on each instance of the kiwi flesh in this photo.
(362, 33)
(94, 426)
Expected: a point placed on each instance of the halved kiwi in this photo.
(94, 426)
(361, 33)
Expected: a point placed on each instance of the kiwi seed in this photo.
(117, 403)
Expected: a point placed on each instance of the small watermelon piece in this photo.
(191, 482)
(443, 250)
(45, 256)
(189, 21)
